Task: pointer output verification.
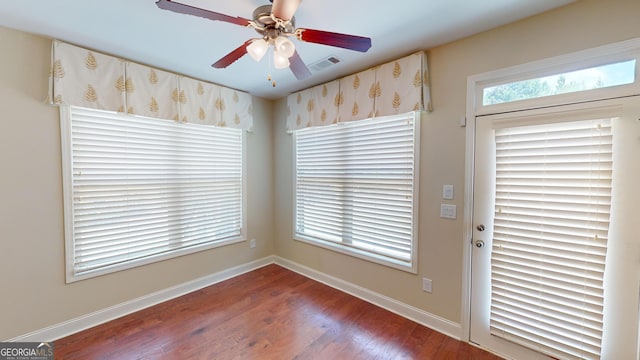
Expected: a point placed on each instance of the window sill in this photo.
(410, 267)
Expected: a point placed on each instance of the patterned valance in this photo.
(396, 87)
(86, 78)
(318, 104)
(150, 92)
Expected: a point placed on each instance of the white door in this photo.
(538, 265)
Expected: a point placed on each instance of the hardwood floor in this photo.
(269, 313)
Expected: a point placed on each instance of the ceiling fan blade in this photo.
(351, 42)
(207, 14)
(284, 9)
(231, 57)
(298, 68)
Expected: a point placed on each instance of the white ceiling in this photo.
(138, 30)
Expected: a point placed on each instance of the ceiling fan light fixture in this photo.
(257, 49)
(275, 23)
(284, 46)
(279, 60)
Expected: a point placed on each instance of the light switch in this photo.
(447, 192)
(447, 211)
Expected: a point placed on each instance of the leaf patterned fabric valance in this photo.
(236, 109)
(151, 92)
(318, 105)
(86, 78)
(356, 100)
(396, 87)
(401, 85)
(200, 102)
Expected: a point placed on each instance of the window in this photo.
(606, 72)
(139, 190)
(356, 188)
(615, 74)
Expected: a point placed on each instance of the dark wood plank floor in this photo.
(269, 313)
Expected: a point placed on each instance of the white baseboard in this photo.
(84, 322)
(422, 317)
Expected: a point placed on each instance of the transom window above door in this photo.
(606, 72)
(592, 78)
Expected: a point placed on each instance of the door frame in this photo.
(623, 50)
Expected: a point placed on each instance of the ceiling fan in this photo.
(275, 23)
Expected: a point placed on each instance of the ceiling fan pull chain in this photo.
(269, 78)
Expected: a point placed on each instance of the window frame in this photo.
(67, 182)
(409, 266)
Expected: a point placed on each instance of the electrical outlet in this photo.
(427, 285)
(252, 243)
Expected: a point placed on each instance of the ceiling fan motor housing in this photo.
(268, 27)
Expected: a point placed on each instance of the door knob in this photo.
(480, 227)
(479, 243)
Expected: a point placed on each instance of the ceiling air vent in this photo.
(324, 63)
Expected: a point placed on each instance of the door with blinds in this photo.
(555, 264)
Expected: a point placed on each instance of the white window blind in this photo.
(140, 189)
(356, 185)
(553, 196)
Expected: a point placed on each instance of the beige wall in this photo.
(585, 24)
(33, 293)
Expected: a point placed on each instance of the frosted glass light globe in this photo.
(285, 46)
(279, 60)
(257, 49)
